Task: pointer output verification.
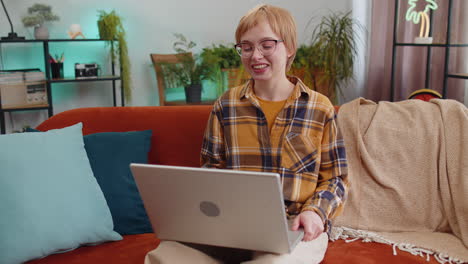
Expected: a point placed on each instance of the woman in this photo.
(274, 123)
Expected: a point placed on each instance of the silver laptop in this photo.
(228, 208)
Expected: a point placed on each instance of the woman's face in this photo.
(260, 67)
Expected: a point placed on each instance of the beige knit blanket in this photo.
(408, 172)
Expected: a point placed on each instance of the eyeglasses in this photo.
(266, 48)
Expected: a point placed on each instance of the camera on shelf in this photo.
(86, 70)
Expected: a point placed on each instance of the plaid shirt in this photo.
(304, 146)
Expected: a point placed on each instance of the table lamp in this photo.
(12, 35)
(421, 16)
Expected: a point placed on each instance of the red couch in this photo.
(176, 140)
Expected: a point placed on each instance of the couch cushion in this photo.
(49, 198)
(359, 252)
(133, 248)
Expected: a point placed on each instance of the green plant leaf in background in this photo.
(38, 14)
(192, 69)
(224, 57)
(333, 51)
(111, 28)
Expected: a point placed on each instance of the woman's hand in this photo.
(312, 224)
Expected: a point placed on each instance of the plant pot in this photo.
(322, 85)
(41, 32)
(304, 75)
(235, 77)
(193, 93)
(297, 72)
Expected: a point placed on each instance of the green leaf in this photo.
(191, 69)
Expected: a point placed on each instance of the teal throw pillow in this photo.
(49, 198)
(110, 155)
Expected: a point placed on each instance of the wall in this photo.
(150, 26)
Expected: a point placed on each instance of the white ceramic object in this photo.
(74, 31)
(75, 28)
(41, 32)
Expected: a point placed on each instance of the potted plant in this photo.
(301, 66)
(38, 15)
(111, 28)
(191, 70)
(332, 54)
(229, 70)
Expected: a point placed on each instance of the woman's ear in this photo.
(289, 53)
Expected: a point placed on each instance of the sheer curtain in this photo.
(362, 14)
(410, 64)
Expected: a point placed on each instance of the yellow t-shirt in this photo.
(271, 110)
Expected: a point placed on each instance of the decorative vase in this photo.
(193, 93)
(74, 31)
(41, 32)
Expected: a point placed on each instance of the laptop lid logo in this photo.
(209, 209)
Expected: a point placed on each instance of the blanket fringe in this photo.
(351, 235)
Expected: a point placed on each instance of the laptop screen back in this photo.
(227, 208)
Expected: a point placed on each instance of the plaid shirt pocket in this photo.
(299, 154)
(299, 161)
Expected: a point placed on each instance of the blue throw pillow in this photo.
(49, 199)
(110, 154)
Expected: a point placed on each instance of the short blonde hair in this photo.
(281, 22)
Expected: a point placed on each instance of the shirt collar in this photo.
(300, 89)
